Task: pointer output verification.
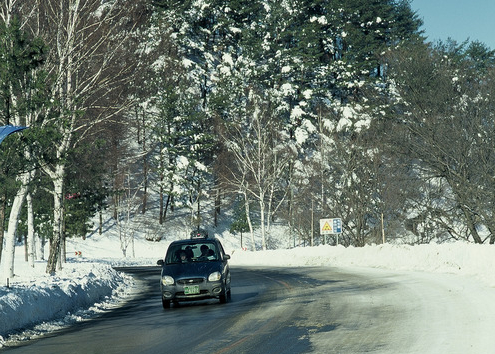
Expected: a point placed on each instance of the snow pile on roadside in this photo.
(456, 258)
(35, 297)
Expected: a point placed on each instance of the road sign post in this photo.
(331, 227)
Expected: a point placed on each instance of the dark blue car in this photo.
(195, 269)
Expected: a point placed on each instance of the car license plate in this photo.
(191, 290)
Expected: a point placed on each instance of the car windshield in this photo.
(194, 252)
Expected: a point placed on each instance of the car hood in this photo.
(192, 269)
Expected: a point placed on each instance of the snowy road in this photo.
(300, 310)
(409, 312)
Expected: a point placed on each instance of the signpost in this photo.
(330, 227)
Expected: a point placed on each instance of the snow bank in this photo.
(457, 258)
(36, 297)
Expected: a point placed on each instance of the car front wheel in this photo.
(225, 296)
(166, 304)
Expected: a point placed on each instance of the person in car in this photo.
(183, 256)
(205, 252)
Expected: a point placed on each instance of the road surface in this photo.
(284, 310)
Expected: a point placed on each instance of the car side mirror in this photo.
(226, 257)
(160, 262)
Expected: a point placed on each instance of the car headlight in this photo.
(215, 276)
(167, 280)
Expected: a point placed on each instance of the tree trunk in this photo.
(41, 254)
(262, 222)
(217, 206)
(63, 249)
(31, 250)
(145, 168)
(248, 218)
(160, 198)
(25, 240)
(167, 204)
(56, 243)
(471, 226)
(3, 206)
(12, 228)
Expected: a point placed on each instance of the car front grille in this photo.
(190, 281)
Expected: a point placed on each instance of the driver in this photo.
(183, 256)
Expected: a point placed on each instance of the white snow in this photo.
(227, 58)
(297, 112)
(88, 284)
(286, 89)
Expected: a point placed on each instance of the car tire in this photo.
(225, 296)
(166, 304)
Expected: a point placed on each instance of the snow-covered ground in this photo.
(35, 303)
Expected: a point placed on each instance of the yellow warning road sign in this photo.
(326, 226)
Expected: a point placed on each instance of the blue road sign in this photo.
(337, 225)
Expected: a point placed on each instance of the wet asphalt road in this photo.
(276, 310)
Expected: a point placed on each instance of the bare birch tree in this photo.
(261, 157)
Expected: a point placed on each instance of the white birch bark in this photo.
(9, 251)
(250, 223)
(54, 255)
(262, 221)
(30, 239)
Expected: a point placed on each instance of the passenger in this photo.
(189, 253)
(205, 252)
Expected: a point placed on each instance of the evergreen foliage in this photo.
(21, 86)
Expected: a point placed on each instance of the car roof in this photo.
(188, 241)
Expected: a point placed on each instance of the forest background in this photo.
(273, 111)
